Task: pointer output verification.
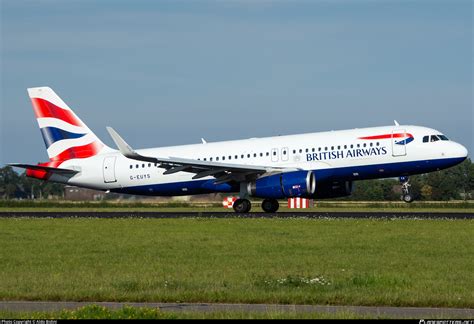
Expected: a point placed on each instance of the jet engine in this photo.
(284, 185)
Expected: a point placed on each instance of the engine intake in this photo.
(284, 185)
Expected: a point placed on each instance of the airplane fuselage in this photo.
(335, 156)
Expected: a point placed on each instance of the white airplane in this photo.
(315, 165)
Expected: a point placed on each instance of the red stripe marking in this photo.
(385, 136)
(79, 152)
(45, 109)
(43, 175)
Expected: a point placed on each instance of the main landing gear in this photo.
(242, 206)
(406, 195)
(270, 205)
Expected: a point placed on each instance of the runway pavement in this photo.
(312, 214)
(382, 311)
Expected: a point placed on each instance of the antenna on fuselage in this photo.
(396, 123)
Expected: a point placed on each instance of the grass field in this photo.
(300, 261)
(177, 206)
(127, 312)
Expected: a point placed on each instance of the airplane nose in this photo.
(461, 151)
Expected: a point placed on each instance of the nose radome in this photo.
(461, 151)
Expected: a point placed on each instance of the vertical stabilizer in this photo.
(65, 135)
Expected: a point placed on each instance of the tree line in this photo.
(453, 183)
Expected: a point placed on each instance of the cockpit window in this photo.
(434, 138)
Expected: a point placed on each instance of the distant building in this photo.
(76, 193)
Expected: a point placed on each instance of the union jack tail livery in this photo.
(65, 135)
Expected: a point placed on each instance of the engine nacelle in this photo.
(284, 185)
(334, 189)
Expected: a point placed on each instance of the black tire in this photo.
(242, 206)
(408, 198)
(270, 205)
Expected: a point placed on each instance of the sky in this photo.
(170, 72)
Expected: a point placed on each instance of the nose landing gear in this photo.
(406, 195)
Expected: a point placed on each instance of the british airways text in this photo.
(355, 153)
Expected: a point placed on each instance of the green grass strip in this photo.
(281, 261)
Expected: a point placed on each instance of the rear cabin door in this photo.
(109, 169)
(398, 142)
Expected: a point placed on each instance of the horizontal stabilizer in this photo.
(44, 168)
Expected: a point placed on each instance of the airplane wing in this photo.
(44, 168)
(223, 172)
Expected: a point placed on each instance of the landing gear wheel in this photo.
(242, 206)
(270, 205)
(406, 195)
